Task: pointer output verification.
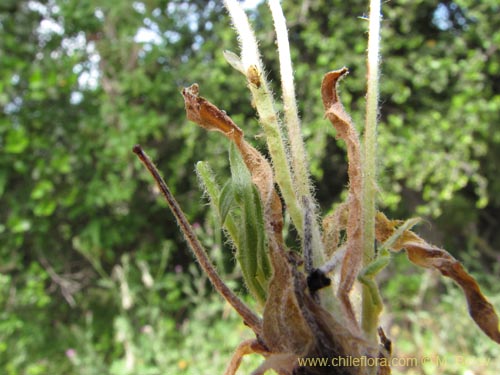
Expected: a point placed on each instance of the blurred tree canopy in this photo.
(84, 249)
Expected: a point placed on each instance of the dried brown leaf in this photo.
(285, 329)
(208, 116)
(342, 123)
(333, 224)
(296, 324)
(425, 255)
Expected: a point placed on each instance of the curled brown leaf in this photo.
(208, 116)
(346, 131)
(425, 255)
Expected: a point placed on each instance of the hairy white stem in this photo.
(370, 140)
(248, 43)
(298, 155)
(370, 315)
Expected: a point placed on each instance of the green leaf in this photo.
(252, 247)
(264, 265)
(36, 80)
(19, 225)
(207, 179)
(42, 189)
(235, 61)
(16, 141)
(45, 208)
(242, 180)
(226, 200)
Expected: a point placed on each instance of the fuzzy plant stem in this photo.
(298, 155)
(262, 96)
(369, 313)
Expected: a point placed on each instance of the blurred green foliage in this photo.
(94, 277)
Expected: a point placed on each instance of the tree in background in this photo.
(79, 87)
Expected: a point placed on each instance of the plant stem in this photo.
(298, 156)
(370, 315)
(292, 121)
(249, 48)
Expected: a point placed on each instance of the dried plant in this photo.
(304, 315)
